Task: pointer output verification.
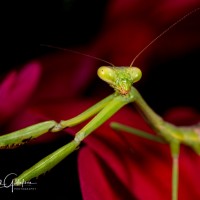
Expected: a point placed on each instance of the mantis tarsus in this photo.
(121, 79)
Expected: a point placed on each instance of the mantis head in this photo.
(120, 78)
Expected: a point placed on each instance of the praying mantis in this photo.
(121, 79)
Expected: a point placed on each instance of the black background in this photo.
(27, 24)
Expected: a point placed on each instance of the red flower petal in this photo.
(64, 75)
(16, 90)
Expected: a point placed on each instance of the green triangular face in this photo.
(120, 78)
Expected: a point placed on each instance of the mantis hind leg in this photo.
(175, 147)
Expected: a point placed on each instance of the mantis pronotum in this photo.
(121, 79)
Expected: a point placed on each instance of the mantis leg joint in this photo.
(58, 127)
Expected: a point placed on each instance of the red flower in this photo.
(110, 165)
(16, 90)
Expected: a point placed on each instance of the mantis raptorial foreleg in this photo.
(104, 110)
(84, 115)
(47, 163)
(17, 138)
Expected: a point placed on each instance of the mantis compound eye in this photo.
(107, 74)
(135, 74)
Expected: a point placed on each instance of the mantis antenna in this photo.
(77, 52)
(146, 47)
(165, 31)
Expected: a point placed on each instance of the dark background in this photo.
(64, 23)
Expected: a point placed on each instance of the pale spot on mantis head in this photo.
(120, 78)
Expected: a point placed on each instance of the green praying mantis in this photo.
(121, 79)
